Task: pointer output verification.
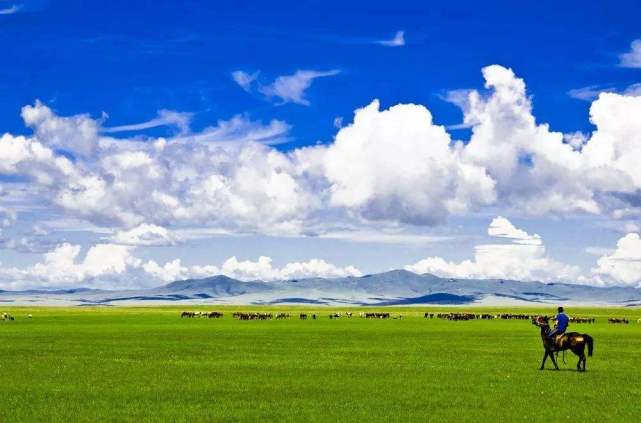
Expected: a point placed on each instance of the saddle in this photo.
(559, 340)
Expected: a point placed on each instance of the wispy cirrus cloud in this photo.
(244, 79)
(588, 93)
(285, 88)
(164, 117)
(291, 88)
(591, 92)
(632, 58)
(14, 8)
(397, 41)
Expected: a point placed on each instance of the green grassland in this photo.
(148, 364)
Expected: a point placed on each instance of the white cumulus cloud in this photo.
(145, 234)
(623, 266)
(387, 167)
(397, 164)
(524, 258)
(116, 266)
(104, 265)
(262, 269)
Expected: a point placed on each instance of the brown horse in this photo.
(573, 341)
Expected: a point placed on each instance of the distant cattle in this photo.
(253, 316)
(582, 320)
(456, 316)
(209, 314)
(376, 315)
(618, 320)
(513, 316)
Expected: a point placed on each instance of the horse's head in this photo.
(541, 321)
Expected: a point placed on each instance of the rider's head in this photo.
(560, 309)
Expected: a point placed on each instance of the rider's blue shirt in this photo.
(562, 321)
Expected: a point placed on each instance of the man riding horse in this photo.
(562, 322)
(557, 340)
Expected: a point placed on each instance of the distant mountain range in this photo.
(398, 287)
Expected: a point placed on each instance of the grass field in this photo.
(148, 364)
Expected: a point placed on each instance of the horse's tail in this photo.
(590, 343)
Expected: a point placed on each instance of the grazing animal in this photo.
(573, 341)
(582, 320)
(377, 315)
(253, 316)
(303, 316)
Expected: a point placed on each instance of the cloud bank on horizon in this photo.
(394, 166)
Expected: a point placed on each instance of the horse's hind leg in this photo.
(580, 366)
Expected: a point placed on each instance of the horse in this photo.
(573, 341)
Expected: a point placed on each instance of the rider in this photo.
(562, 321)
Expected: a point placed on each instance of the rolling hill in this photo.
(397, 287)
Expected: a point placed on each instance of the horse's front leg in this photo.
(545, 357)
(554, 360)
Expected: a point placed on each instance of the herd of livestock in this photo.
(370, 315)
(620, 320)
(386, 315)
(279, 316)
(508, 316)
(9, 317)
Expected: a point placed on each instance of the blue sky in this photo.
(112, 78)
(130, 59)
